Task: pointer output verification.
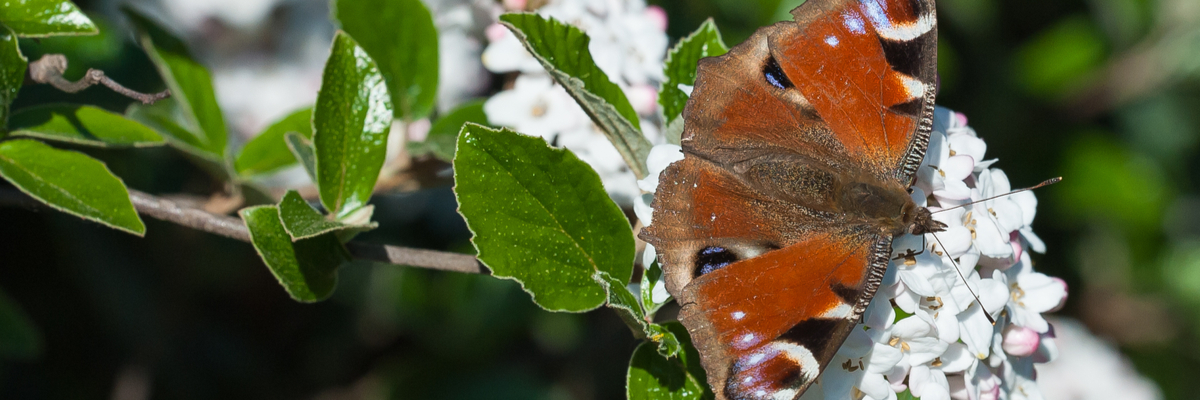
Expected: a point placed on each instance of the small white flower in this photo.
(1031, 294)
(505, 53)
(928, 381)
(975, 330)
(534, 106)
(858, 367)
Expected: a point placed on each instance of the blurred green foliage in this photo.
(1101, 92)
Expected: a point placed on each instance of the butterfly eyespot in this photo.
(712, 258)
(774, 75)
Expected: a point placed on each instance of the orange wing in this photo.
(770, 275)
(850, 81)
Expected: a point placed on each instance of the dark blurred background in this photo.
(1101, 92)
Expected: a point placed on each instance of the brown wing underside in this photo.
(847, 88)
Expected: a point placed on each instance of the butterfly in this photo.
(800, 146)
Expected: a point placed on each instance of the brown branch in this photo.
(190, 213)
(49, 70)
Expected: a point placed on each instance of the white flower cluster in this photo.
(628, 43)
(925, 332)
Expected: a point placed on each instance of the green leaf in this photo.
(81, 124)
(621, 300)
(19, 339)
(563, 50)
(350, 127)
(652, 276)
(268, 152)
(653, 376)
(189, 82)
(401, 37)
(70, 182)
(302, 221)
(540, 217)
(302, 149)
(444, 133)
(307, 269)
(680, 68)
(12, 71)
(166, 118)
(43, 18)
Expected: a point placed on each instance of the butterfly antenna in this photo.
(964, 279)
(1047, 182)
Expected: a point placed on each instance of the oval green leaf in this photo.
(302, 221)
(563, 50)
(302, 148)
(12, 71)
(307, 269)
(189, 81)
(541, 217)
(43, 18)
(444, 132)
(401, 37)
(680, 68)
(268, 152)
(80, 124)
(70, 182)
(350, 127)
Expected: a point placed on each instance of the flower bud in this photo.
(495, 32)
(658, 17)
(514, 5)
(643, 98)
(1020, 341)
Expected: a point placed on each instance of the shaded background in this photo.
(1101, 92)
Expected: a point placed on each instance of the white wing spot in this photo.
(738, 315)
(913, 86)
(785, 394)
(842, 310)
(896, 32)
(831, 41)
(854, 23)
(809, 366)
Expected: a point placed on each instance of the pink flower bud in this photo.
(1014, 239)
(514, 5)
(418, 130)
(960, 118)
(1063, 301)
(989, 389)
(658, 17)
(643, 98)
(1020, 341)
(495, 32)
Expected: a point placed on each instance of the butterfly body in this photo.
(799, 145)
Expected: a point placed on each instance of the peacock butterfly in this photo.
(800, 146)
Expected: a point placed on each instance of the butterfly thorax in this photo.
(885, 205)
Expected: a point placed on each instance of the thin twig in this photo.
(49, 69)
(191, 214)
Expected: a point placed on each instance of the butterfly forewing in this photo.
(770, 270)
